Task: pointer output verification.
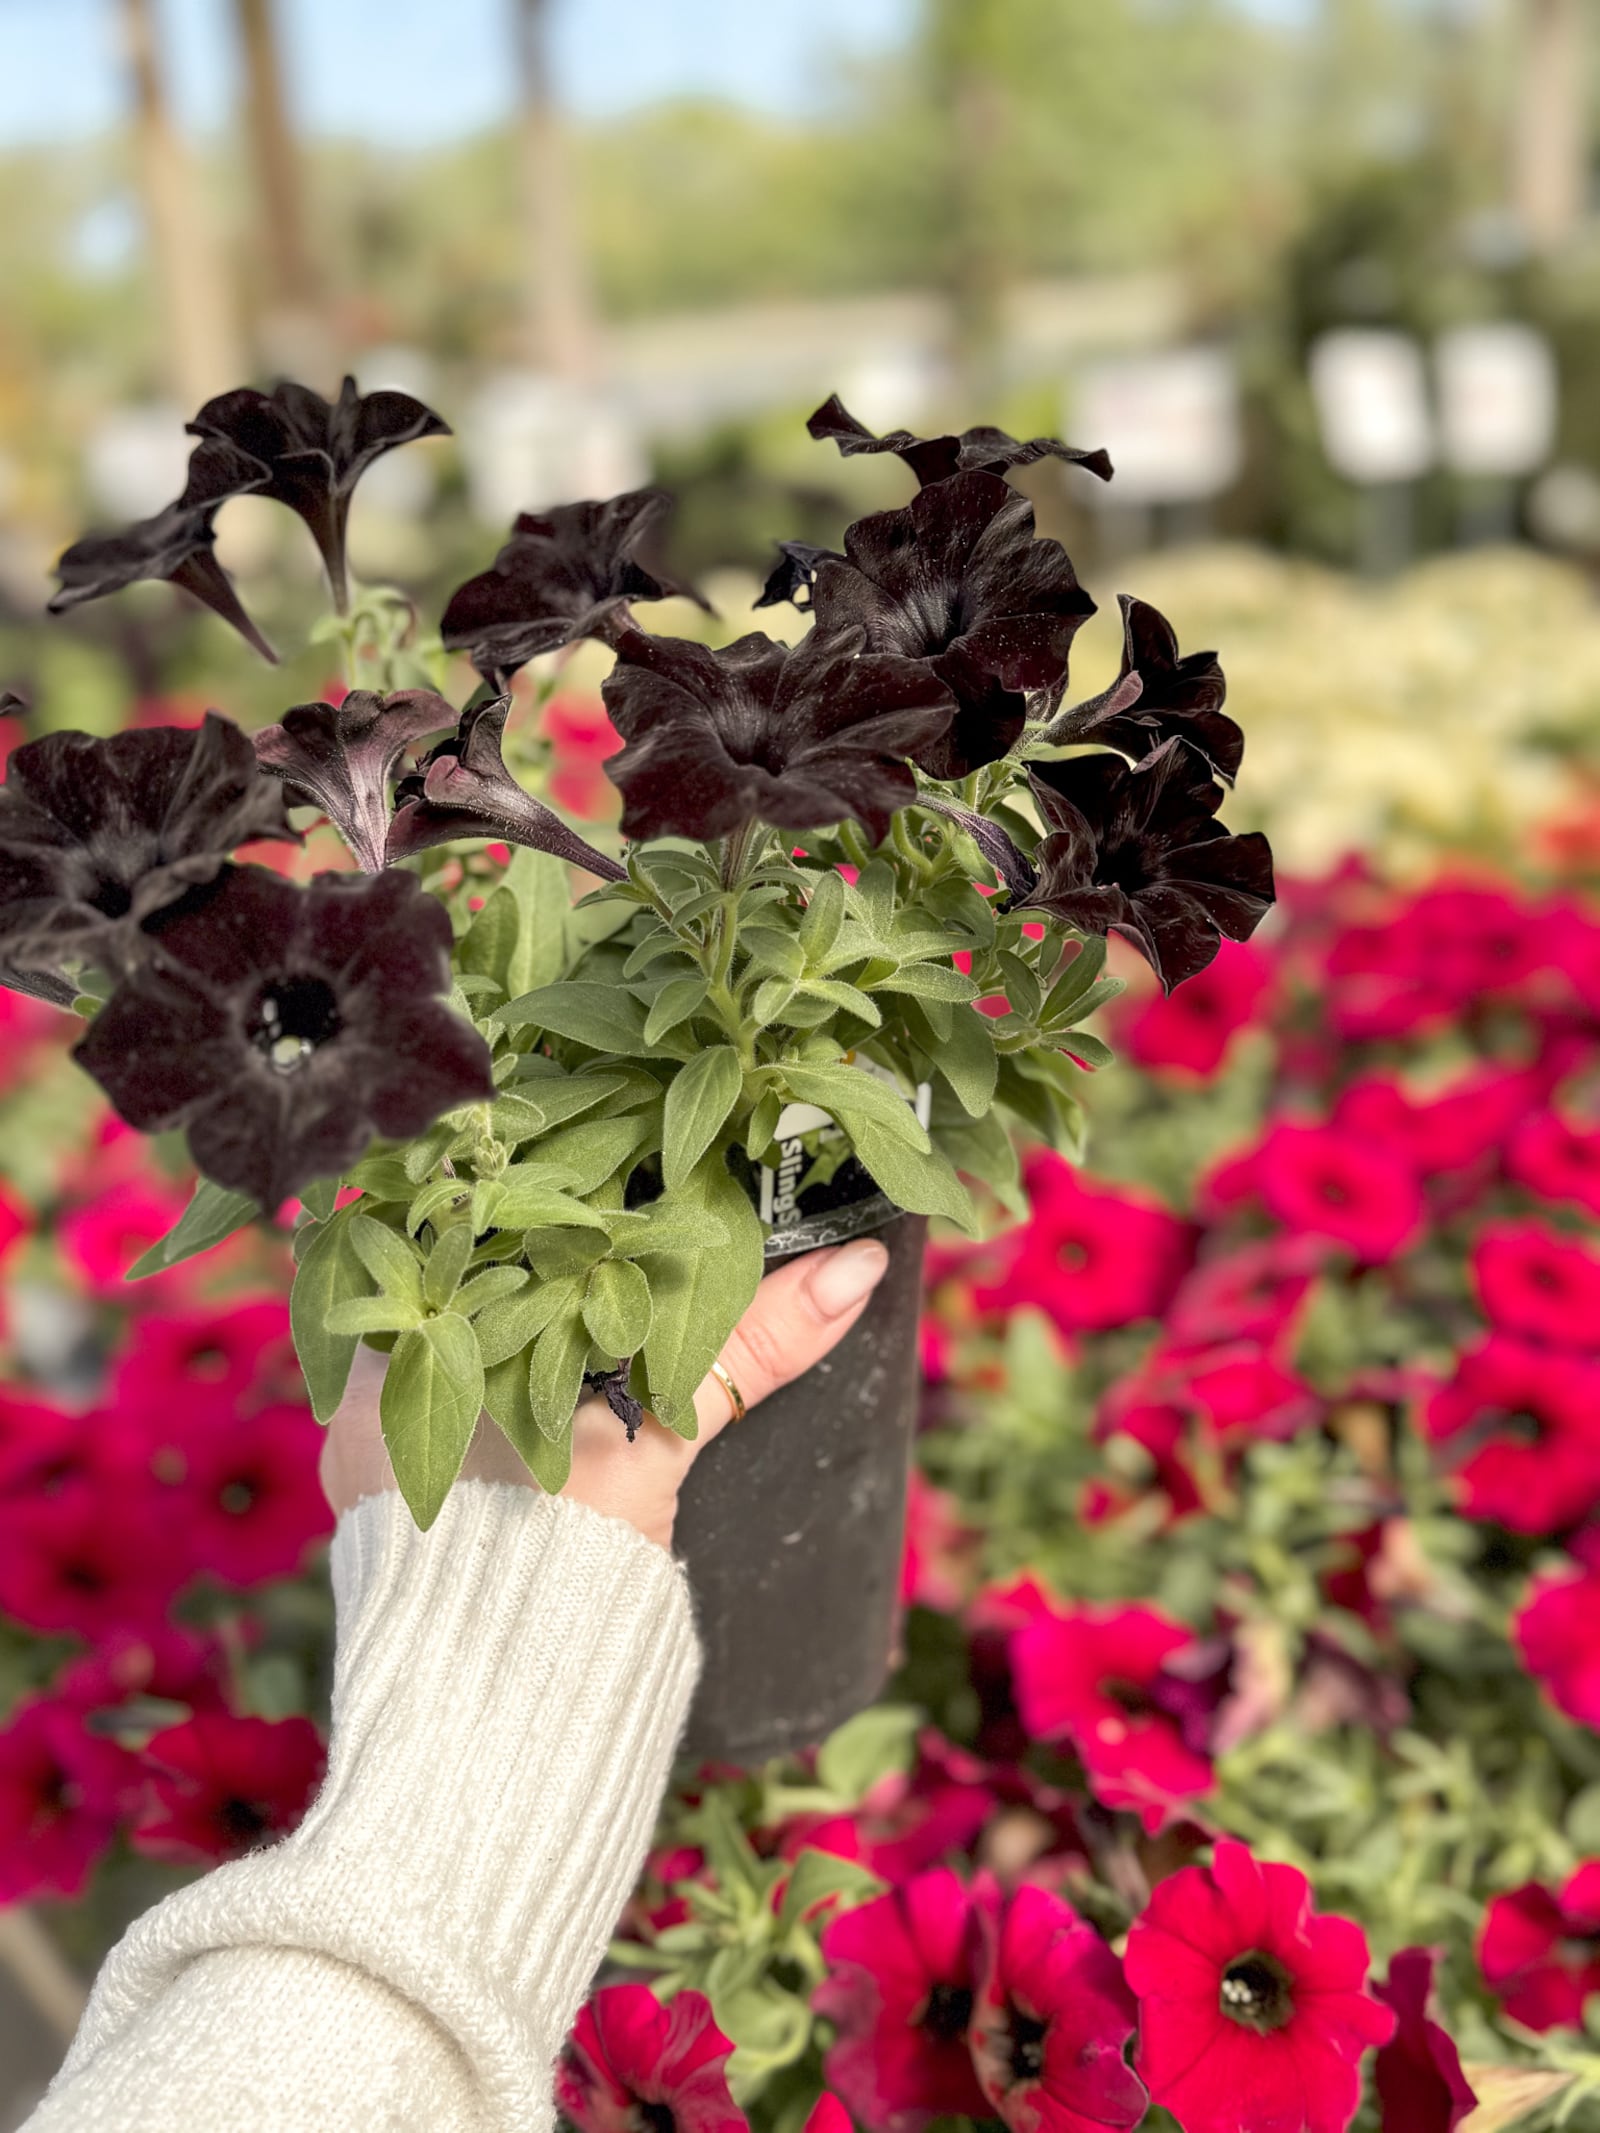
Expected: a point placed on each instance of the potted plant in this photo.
(541, 1139)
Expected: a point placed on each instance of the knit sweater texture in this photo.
(509, 1691)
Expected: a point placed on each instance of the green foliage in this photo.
(212, 1214)
(432, 1394)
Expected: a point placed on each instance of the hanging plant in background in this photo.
(548, 1139)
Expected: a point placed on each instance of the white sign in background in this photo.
(1370, 386)
(1497, 398)
(1170, 423)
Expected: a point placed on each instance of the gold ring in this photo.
(735, 1396)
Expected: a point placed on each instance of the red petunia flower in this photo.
(935, 1567)
(122, 1687)
(1089, 1256)
(105, 1235)
(1320, 1181)
(1248, 1997)
(1193, 1027)
(827, 2115)
(581, 737)
(631, 2061)
(1540, 1950)
(1534, 1282)
(1095, 1676)
(240, 1356)
(1252, 1293)
(221, 1785)
(903, 1973)
(1051, 2018)
(1449, 946)
(61, 1792)
(1418, 2072)
(67, 1564)
(1555, 1633)
(1242, 1392)
(1526, 1424)
(1549, 1156)
(244, 1488)
(43, 1449)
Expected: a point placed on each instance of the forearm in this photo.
(509, 1692)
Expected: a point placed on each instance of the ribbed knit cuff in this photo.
(509, 1691)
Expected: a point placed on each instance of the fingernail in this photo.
(847, 1275)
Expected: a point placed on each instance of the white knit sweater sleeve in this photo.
(509, 1690)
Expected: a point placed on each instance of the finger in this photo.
(800, 1313)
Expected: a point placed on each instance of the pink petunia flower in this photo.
(1524, 1424)
(1094, 1676)
(220, 1785)
(61, 1792)
(1539, 1950)
(1549, 1156)
(1051, 2019)
(1247, 1996)
(902, 1978)
(1555, 1631)
(1418, 2072)
(631, 2061)
(1193, 1027)
(1536, 1283)
(1089, 1256)
(1320, 1181)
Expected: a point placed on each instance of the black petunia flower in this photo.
(799, 739)
(282, 1027)
(564, 574)
(958, 580)
(983, 450)
(343, 757)
(1136, 848)
(1157, 696)
(176, 544)
(795, 572)
(462, 788)
(97, 834)
(314, 451)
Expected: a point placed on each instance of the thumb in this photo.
(799, 1314)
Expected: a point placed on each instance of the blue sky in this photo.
(432, 69)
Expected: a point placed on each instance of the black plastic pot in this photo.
(792, 1526)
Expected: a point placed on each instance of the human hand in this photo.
(800, 1312)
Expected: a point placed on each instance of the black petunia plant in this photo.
(542, 1122)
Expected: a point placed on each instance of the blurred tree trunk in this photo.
(290, 324)
(965, 49)
(1550, 136)
(199, 332)
(560, 323)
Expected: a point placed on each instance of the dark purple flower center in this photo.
(1027, 2045)
(114, 899)
(1127, 1696)
(654, 2117)
(1257, 1992)
(292, 1017)
(241, 1821)
(947, 2011)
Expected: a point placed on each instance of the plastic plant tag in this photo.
(817, 1192)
